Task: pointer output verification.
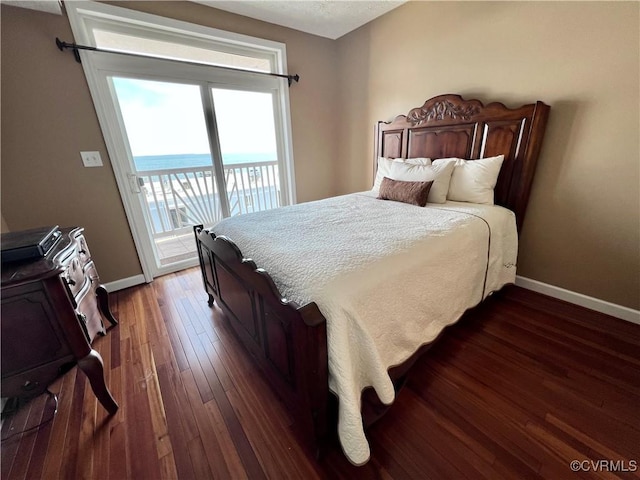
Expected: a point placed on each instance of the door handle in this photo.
(135, 182)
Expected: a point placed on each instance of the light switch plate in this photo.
(91, 159)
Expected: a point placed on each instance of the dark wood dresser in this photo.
(52, 309)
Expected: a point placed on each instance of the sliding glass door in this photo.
(194, 158)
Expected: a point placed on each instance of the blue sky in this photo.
(164, 118)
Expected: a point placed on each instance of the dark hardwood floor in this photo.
(519, 388)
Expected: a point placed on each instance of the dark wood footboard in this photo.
(288, 342)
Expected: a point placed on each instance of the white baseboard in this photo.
(124, 283)
(618, 311)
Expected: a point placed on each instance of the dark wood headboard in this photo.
(450, 126)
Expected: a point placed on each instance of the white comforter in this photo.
(387, 276)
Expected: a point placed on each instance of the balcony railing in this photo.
(178, 198)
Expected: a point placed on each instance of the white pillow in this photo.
(419, 161)
(384, 166)
(412, 171)
(474, 180)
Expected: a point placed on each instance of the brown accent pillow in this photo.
(414, 193)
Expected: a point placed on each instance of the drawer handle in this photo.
(70, 281)
(82, 317)
(28, 385)
(83, 251)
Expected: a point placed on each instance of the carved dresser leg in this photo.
(93, 368)
(210, 301)
(103, 303)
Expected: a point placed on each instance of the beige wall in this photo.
(48, 118)
(582, 230)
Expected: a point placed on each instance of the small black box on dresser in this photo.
(28, 244)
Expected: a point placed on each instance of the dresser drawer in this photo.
(89, 315)
(33, 382)
(75, 276)
(91, 273)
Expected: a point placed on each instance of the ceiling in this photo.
(326, 18)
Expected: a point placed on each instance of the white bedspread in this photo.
(387, 276)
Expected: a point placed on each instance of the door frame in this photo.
(98, 66)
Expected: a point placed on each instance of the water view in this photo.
(181, 190)
(188, 160)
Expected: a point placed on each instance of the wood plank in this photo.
(182, 320)
(246, 379)
(490, 426)
(138, 416)
(571, 314)
(126, 312)
(169, 323)
(28, 438)
(265, 419)
(205, 314)
(56, 452)
(168, 467)
(38, 457)
(221, 397)
(11, 438)
(119, 452)
(175, 425)
(227, 447)
(213, 450)
(68, 468)
(216, 362)
(199, 459)
(564, 453)
(86, 450)
(444, 437)
(154, 399)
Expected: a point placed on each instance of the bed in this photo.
(340, 296)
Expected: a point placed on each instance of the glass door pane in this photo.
(248, 143)
(172, 166)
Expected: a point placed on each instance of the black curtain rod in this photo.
(75, 48)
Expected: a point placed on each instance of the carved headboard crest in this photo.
(440, 109)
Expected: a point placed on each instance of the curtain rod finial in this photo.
(76, 53)
(292, 78)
